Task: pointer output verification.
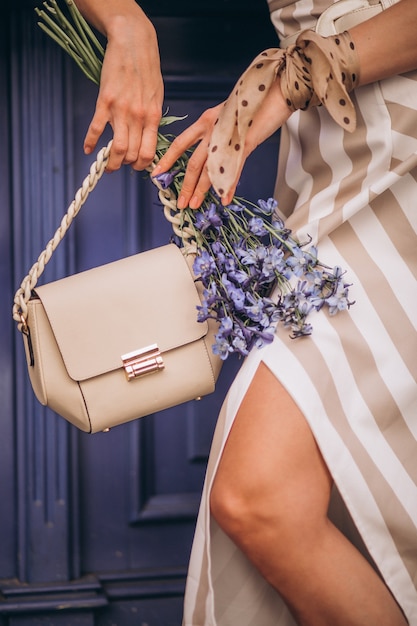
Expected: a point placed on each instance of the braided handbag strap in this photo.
(97, 169)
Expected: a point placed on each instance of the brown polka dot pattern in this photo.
(332, 73)
(325, 76)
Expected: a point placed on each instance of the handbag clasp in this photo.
(143, 361)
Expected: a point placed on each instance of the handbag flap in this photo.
(103, 313)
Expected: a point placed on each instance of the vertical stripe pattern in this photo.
(355, 378)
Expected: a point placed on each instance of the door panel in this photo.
(97, 530)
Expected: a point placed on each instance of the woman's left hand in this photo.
(271, 115)
(196, 180)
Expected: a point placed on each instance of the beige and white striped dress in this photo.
(355, 377)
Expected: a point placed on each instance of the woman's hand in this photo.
(271, 115)
(131, 88)
(196, 181)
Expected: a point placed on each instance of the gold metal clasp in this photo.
(143, 361)
(26, 331)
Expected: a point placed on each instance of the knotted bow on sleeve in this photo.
(315, 70)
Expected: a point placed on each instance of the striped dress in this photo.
(355, 377)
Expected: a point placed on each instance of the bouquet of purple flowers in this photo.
(254, 272)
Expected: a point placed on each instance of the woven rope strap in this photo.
(179, 223)
(97, 169)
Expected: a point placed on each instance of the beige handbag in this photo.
(119, 341)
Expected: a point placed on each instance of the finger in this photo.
(227, 198)
(119, 148)
(95, 130)
(180, 144)
(188, 138)
(271, 115)
(134, 140)
(145, 152)
(201, 190)
(193, 184)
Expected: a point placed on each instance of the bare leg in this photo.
(271, 495)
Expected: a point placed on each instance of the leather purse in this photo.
(119, 341)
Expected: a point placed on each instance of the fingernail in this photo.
(181, 202)
(194, 202)
(156, 170)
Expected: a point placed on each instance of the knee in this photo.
(244, 512)
(249, 514)
(229, 507)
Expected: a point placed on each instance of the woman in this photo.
(333, 408)
(309, 511)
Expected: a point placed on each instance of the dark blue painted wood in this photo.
(96, 530)
(7, 459)
(39, 182)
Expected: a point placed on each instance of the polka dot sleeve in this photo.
(315, 70)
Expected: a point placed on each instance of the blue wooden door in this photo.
(97, 530)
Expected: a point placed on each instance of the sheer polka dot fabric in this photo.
(315, 70)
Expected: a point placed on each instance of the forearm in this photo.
(387, 44)
(107, 15)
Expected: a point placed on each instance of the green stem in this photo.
(74, 40)
(84, 29)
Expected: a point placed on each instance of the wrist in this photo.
(111, 18)
(134, 20)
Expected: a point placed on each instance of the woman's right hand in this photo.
(131, 90)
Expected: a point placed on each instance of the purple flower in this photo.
(240, 345)
(238, 297)
(222, 347)
(265, 337)
(281, 233)
(204, 265)
(240, 277)
(203, 311)
(235, 208)
(298, 262)
(233, 293)
(256, 310)
(211, 294)
(226, 326)
(240, 259)
(300, 329)
(233, 272)
(278, 224)
(208, 218)
(247, 257)
(269, 206)
(230, 263)
(273, 262)
(339, 300)
(252, 256)
(257, 226)
(166, 178)
(219, 252)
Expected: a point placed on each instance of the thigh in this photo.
(271, 456)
